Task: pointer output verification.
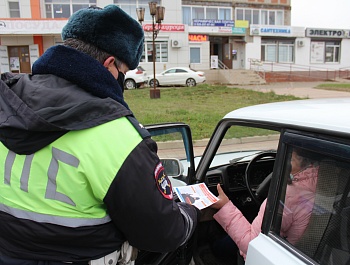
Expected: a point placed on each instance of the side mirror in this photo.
(173, 167)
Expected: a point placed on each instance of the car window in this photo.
(243, 138)
(181, 71)
(171, 71)
(314, 205)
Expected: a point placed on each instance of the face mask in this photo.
(120, 80)
(290, 179)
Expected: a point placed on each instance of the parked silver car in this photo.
(178, 76)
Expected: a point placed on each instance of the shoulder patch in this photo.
(163, 183)
(139, 127)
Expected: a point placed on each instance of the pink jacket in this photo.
(298, 206)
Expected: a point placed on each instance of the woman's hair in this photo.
(307, 157)
(89, 49)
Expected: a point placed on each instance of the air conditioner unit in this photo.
(176, 44)
(301, 43)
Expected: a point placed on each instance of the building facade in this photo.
(201, 34)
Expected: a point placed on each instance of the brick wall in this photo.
(301, 76)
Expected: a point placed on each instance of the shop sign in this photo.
(275, 30)
(225, 30)
(165, 27)
(325, 33)
(29, 26)
(242, 23)
(238, 30)
(213, 23)
(271, 31)
(197, 37)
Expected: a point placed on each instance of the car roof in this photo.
(315, 114)
(180, 67)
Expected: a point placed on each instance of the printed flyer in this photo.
(198, 195)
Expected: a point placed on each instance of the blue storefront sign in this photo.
(213, 23)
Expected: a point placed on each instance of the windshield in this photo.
(242, 142)
(238, 143)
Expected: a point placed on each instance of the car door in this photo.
(175, 142)
(180, 77)
(323, 235)
(168, 77)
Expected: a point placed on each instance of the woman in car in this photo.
(300, 195)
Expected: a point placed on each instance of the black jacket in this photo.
(71, 91)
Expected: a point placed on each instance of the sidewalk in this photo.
(298, 89)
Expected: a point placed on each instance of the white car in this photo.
(135, 78)
(257, 168)
(178, 76)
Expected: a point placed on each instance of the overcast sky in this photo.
(333, 14)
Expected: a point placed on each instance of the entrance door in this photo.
(220, 47)
(227, 55)
(238, 55)
(19, 59)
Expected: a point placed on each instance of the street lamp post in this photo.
(157, 13)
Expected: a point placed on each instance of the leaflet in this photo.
(198, 195)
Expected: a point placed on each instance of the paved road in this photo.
(298, 89)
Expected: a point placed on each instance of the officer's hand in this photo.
(207, 214)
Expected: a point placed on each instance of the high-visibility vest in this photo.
(65, 182)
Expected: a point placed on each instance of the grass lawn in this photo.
(335, 86)
(202, 107)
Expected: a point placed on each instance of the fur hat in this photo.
(110, 29)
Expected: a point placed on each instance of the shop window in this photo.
(325, 52)
(195, 55)
(65, 8)
(332, 52)
(285, 52)
(269, 51)
(14, 9)
(277, 51)
(161, 52)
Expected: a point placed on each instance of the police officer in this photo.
(79, 175)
